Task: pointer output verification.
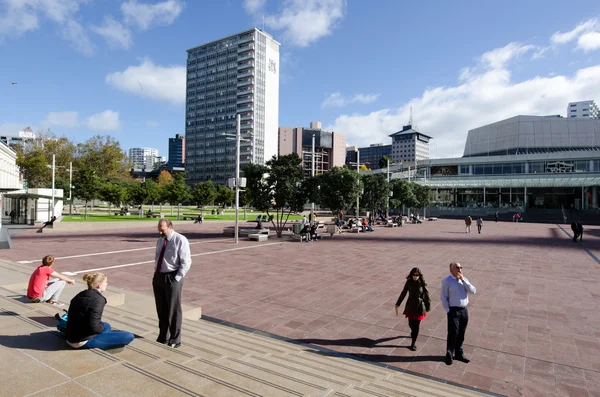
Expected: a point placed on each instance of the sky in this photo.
(117, 67)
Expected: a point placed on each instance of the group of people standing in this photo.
(469, 222)
(454, 295)
(85, 328)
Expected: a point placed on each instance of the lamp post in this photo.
(237, 175)
(53, 173)
(312, 204)
(70, 188)
(387, 206)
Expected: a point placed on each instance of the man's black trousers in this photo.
(167, 295)
(458, 319)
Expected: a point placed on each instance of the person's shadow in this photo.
(360, 342)
(42, 341)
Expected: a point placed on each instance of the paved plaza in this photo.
(534, 323)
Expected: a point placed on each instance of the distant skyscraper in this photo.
(143, 157)
(410, 145)
(177, 151)
(583, 109)
(235, 75)
(330, 147)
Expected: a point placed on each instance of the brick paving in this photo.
(534, 323)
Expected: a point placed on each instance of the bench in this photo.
(258, 237)
(244, 232)
(191, 217)
(154, 215)
(432, 219)
(392, 224)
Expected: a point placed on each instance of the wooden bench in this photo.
(258, 237)
(191, 217)
(154, 215)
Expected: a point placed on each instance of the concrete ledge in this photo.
(88, 226)
(113, 298)
(244, 232)
(5, 241)
(258, 237)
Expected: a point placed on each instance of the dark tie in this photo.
(160, 257)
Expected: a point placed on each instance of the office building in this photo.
(26, 138)
(583, 109)
(177, 151)
(238, 74)
(143, 158)
(330, 147)
(409, 145)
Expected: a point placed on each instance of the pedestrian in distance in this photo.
(85, 328)
(455, 299)
(468, 222)
(479, 225)
(496, 216)
(172, 262)
(45, 284)
(418, 303)
(577, 229)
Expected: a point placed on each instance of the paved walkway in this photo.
(533, 323)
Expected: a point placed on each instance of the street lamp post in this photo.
(53, 173)
(71, 188)
(387, 207)
(358, 172)
(312, 204)
(237, 175)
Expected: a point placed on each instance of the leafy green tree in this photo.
(383, 162)
(34, 166)
(204, 193)
(403, 194)
(86, 185)
(102, 154)
(112, 193)
(177, 191)
(151, 191)
(340, 187)
(375, 192)
(224, 195)
(277, 187)
(422, 195)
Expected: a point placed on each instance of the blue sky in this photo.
(86, 67)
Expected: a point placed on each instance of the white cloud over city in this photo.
(301, 22)
(107, 120)
(586, 35)
(338, 100)
(146, 15)
(485, 92)
(115, 34)
(147, 80)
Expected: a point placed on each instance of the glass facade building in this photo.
(177, 151)
(235, 75)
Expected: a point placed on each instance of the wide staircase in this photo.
(214, 359)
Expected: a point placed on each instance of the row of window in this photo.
(540, 167)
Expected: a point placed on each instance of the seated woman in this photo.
(84, 325)
(45, 285)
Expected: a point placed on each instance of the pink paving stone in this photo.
(526, 330)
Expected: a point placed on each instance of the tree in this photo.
(383, 162)
(86, 185)
(278, 190)
(177, 191)
(224, 195)
(422, 195)
(102, 154)
(112, 193)
(34, 166)
(164, 178)
(403, 194)
(340, 188)
(151, 191)
(204, 193)
(375, 192)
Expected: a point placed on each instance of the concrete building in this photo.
(177, 151)
(409, 145)
(330, 147)
(143, 158)
(25, 137)
(583, 109)
(238, 74)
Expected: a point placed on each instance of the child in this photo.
(45, 285)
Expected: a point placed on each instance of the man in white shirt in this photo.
(454, 295)
(172, 262)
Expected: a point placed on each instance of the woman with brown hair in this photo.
(417, 304)
(84, 324)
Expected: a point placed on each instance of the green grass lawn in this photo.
(228, 216)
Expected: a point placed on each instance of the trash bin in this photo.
(297, 228)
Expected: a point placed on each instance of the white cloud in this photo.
(302, 22)
(117, 35)
(104, 121)
(584, 27)
(165, 83)
(22, 16)
(485, 94)
(144, 16)
(589, 41)
(152, 124)
(62, 119)
(338, 100)
(253, 6)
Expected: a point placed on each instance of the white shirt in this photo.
(455, 292)
(177, 255)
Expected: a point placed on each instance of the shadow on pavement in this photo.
(380, 358)
(361, 342)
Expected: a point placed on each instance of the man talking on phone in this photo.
(455, 291)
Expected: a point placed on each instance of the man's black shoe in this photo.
(161, 341)
(462, 358)
(448, 360)
(174, 345)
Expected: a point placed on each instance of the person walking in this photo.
(479, 225)
(468, 222)
(172, 262)
(577, 229)
(455, 299)
(85, 328)
(417, 304)
(496, 216)
(45, 284)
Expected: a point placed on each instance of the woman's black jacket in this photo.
(418, 301)
(85, 315)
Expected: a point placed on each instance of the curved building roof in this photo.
(533, 134)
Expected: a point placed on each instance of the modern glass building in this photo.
(235, 75)
(177, 151)
(369, 155)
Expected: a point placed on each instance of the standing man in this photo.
(479, 225)
(454, 294)
(468, 221)
(173, 260)
(496, 216)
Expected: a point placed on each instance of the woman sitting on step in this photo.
(84, 325)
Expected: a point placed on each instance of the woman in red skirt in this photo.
(417, 304)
